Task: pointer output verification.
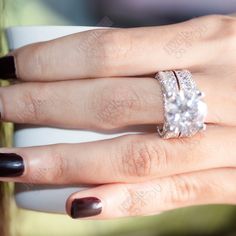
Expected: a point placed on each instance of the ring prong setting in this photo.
(184, 109)
(202, 127)
(200, 94)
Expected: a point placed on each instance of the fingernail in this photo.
(85, 207)
(11, 165)
(7, 67)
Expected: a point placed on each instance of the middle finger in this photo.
(129, 158)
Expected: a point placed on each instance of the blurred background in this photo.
(201, 220)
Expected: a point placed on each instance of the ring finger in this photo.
(104, 103)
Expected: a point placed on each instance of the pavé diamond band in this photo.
(184, 109)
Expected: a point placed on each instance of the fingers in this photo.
(130, 158)
(120, 52)
(114, 105)
(216, 186)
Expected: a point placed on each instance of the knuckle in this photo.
(137, 159)
(112, 46)
(142, 158)
(113, 106)
(32, 103)
(137, 199)
(223, 32)
(214, 18)
(183, 189)
(91, 44)
(36, 103)
(133, 203)
(38, 62)
(57, 166)
(227, 27)
(216, 30)
(53, 171)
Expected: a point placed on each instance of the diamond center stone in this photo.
(185, 112)
(184, 108)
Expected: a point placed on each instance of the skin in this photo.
(109, 75)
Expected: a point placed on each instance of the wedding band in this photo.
(184, 109)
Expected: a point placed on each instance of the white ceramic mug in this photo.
(46, 198)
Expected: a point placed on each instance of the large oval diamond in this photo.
(185, 112)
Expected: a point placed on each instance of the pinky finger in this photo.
(215, 186)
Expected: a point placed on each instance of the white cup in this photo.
(46, 198)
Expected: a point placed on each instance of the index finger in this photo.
(116, 52)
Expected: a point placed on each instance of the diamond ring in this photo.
(184, 109)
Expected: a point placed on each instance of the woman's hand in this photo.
(103, 80)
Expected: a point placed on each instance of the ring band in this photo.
(184, 109)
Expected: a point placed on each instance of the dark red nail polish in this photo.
(7, 67)
(85, 207)
(11, 165)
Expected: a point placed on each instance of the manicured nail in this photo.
(85, 207)
(11, 165)
(7, 67)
